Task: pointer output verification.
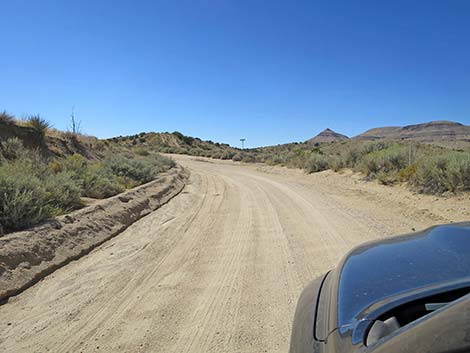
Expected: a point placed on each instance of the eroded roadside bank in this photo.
(30, 255)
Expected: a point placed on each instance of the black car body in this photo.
(404, 294)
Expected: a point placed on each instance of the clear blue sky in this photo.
(270, 71)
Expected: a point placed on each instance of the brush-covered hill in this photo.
(37, 134)
(442, 133)
(174, 142)
(45, 172)
(53, 143)
(327, 136)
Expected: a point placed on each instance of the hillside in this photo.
(442, 133)
(46, 172)
(175, 142)
(59, 144)
(327, 136)
(50, 142)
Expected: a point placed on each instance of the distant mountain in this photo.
(445, 133)
(327, 135)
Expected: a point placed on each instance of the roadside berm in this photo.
(28, 256)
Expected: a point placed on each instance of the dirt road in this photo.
(218, 269)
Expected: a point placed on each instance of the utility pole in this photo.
(243, 143)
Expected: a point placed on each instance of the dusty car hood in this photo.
(377, 271)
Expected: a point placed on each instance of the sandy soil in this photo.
(219, 268)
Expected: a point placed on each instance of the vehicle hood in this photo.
(374, 272)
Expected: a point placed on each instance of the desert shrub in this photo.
(385, 178)
(407, 173)
(141, 151)
(237, 158)
(298, 158)
(459, 172)
(39, 125)
(316, 163)
(128, 168)
(274, 160)
(63, 193)
(101, 188)
(137, 171)
(55, 167)
(22, 200)
(7, 118)
(76, 164)
(161, 163)
(216, 155)
(12, 148)
(336, 163)
(388, 160)
(351, 157)
(29, 193)
(372, 146)
(430, 176)
(438, 174)
(248, 158)
(197, 152)
(100, 183)
(227, 155)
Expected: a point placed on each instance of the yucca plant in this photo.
(6, 118)
(39, 125)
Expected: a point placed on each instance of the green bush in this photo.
(459, 172)
(275, 160)
(430, 176)
(23, 200)
(160, 163)
(141, 151)
(63, 193)
(135, 170)
(99, 183)
(436, 175)
(316, 163)
(29, 194)
(373, 146)
(227, 155)
(248, 158)
(407, 173)
(336, 163)
(385, 161)
(76, 164)
(12, 148)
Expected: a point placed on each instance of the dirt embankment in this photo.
(28, 256)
